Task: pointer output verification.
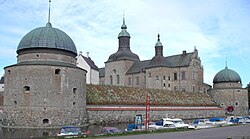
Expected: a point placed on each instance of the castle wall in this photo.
(125, 114)
(44, 96)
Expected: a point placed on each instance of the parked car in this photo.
(110, 130)
(201, 123)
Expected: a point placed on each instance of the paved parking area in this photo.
(232, 132)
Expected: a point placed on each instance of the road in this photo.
(232, 132)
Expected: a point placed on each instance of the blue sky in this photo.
(220, 29)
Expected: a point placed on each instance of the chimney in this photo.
(87, 54)
(184, 52)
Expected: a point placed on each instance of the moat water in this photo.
(17, 133)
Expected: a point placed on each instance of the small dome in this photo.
(226, 75)
(123, 55)
(47, 37)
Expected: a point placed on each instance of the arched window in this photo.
(45, 121)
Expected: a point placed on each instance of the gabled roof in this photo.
(181, 60)
(90, 62)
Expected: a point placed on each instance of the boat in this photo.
(201, 123)
(152, 125)
(237, 119)
(247, 119)
(172, 123)
(71, 131)
(134, 127)
(218, 121)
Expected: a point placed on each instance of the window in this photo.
(129, 81)
(156, 77)
(57, 71)
(114, 71)
(195, 75)
(149, 75)
(236, 103)
(111, 80)
(193, 88)
(74, 91)
(45, 121)
(175, 76)
(137, 80)
(169, 78)
(168, 85)
(26, 88)
(118, 79)
(183, 89)
(74, 103)
(164, 85)
(8, 72)
(183, 76)
(164, 77)
(15, 102)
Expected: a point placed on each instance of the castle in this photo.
(46, 88)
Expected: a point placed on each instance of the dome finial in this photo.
(158, 43)
(226, 63)
(123, 23)
(49, 24)
(49, 12)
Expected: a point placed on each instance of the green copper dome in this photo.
(226, 75)
(47, 37)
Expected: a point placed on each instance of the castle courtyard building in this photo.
(182, 72)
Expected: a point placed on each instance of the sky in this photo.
(219, 29)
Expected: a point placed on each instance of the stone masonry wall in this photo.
(125, 114)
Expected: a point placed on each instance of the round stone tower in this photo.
(45, 88)
(228, 92)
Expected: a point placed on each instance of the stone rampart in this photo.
(125, 114)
